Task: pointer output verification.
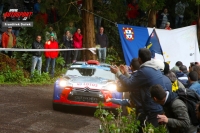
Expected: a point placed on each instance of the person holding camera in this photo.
(37, 55)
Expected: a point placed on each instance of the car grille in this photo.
(86, 95)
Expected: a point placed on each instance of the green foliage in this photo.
(120, 124)
(40, 78)
(123, 124)
(2, 79)
(149, 128)
(155, 5)
(113, 57)
(16, 76)
(60, 61)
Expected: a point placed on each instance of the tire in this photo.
(56, 107)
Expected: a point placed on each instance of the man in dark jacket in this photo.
(176, 113)
(37, 55)
(148, 75)
(102, 40)
(182, 76)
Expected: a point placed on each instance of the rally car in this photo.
(86, 84)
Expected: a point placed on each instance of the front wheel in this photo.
(56, 107)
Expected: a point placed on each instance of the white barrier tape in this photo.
(34, 50)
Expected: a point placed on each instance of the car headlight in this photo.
(111, 87)
(63, 83)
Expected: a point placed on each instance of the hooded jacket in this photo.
(134, 95)
(51, 45)
(178, 117)
(182, 77)
(149, 74)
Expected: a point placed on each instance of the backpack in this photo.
(190, 98)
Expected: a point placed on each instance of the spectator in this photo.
(37, 56)
(176, 67)
(148, 75)
(98, 4)
(49, 33)
(53, 14)
(51, 55)
(29, 4)
(67, 42)
(79, 4)
(179, 11)
(2, 29)
(183, 69)
(181, 76)
(71, 28)
(42, 17)
(132, 12)
(196, 68)
(164, 18)
(176, 114)
(78, 43)
(175, 82)
(166, 68)
(36, 8)
(8, 41)
(102, 40)
(167, 26)
(135, 98)
(193, 81)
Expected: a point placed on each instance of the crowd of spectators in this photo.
(153, 88)
(163, 18)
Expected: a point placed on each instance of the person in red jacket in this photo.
(8, 41)
(78, 43)
(132, 12)
(51, 55)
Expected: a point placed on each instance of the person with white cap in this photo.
(8, 40)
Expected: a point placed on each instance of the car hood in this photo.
(87, 81)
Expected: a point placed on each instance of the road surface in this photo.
(28, 109)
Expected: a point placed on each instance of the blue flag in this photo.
(132, 39)
(153, 44)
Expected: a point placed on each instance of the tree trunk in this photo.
(152, 19)
(88, 29)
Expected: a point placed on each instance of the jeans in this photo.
(36, 61)
(178, 21)
(76, 55)
(51, 61)
(102, 54)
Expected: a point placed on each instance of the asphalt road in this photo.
(28, 109)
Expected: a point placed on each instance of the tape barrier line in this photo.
(34, 50)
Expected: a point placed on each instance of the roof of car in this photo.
(84, 64)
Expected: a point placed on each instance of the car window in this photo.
(93, 72)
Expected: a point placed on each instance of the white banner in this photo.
(179, 45)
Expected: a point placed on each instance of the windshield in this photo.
(92, 72)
